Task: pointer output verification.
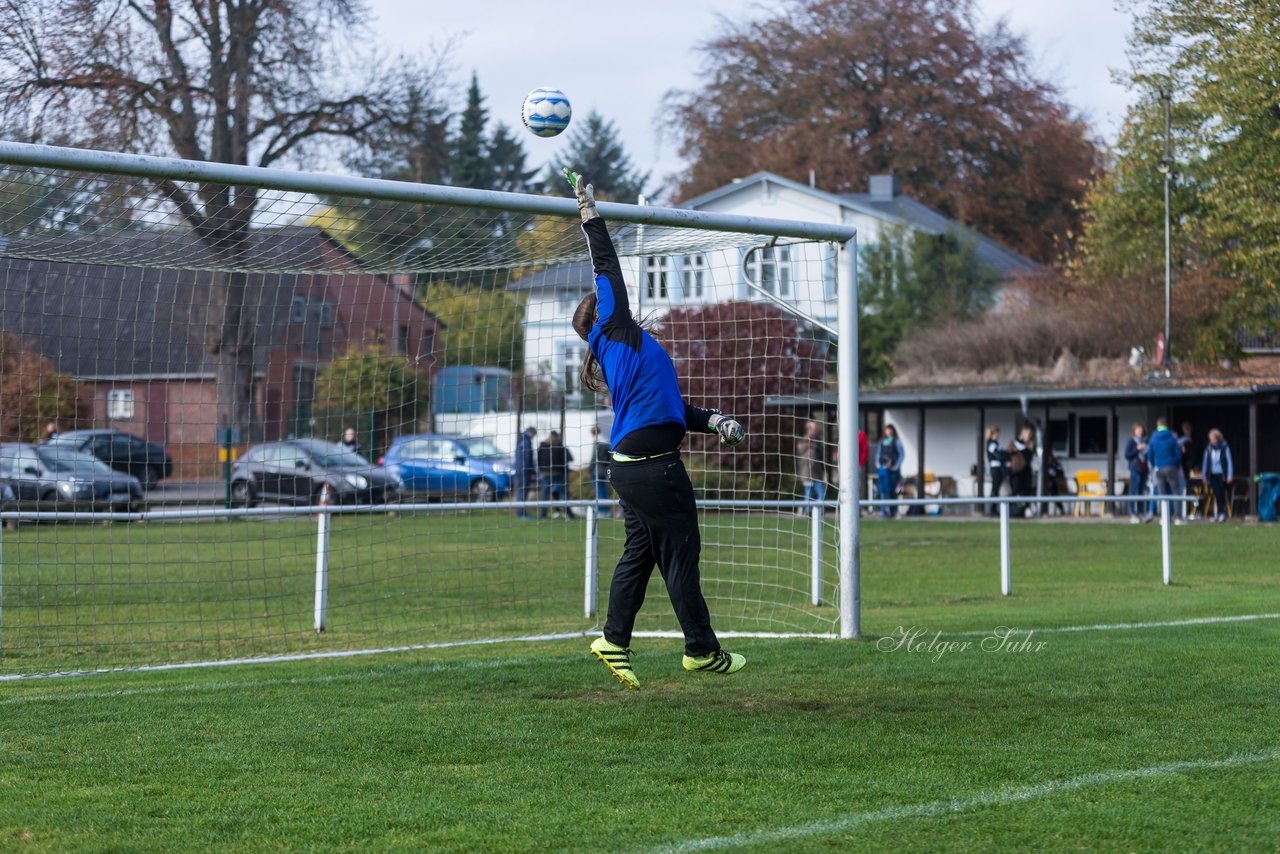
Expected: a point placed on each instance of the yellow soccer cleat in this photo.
(617, 659)
(716, 662)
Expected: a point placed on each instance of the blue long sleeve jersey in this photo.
(647, 404)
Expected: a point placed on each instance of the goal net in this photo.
(321, 416)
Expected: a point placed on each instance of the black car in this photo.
(146, 461)
(59, 478)
(310, 471)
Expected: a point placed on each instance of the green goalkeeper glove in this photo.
(731, 432)
(585, 192)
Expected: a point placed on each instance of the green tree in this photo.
(482, 326)
(366, 382)
(469, 165)
(595, 151)
(910, 280)
(1219, 61)
(507, 161)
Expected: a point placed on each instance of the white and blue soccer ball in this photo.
(546, 112)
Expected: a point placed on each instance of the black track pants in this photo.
(662, 528)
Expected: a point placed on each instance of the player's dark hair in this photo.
(584, 317)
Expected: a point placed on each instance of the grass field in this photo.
(1123, 737)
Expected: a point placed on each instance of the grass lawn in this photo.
(1138, 738)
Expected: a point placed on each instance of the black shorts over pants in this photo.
(662, 528)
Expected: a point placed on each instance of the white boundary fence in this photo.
(591, 549)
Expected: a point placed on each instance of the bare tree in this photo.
(246, 82)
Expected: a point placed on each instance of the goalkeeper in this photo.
(650, 421)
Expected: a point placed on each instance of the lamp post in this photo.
(1166, 168)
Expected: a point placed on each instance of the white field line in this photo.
(1107, 627)
(353, 653)
(951, 806)
(301, 656)
(319, 679)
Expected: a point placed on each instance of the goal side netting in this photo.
(243, 420)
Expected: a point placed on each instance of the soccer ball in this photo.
(546, 112)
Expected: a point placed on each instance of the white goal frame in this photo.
(844, 236)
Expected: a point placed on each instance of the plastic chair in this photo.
(1089, 483)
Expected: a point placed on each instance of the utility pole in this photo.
(1166, 168)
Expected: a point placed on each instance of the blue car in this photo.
(450, 468)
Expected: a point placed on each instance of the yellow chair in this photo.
(1089, 483)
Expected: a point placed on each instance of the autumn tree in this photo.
(1220, 81)
(246, 82)
(853, 88)
(734, 356)
(33, 392)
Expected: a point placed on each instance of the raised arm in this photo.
(611, 293)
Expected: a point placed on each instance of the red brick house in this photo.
(132, 334)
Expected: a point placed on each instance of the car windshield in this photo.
(481, 447)
(67, 461)
(332, 455)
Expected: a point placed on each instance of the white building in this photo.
(804, 275)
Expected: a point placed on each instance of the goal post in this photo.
(202, 337)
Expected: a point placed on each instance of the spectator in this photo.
(862, 451)
(349, 442)
(1218, 472)
(1022, 453)
(600, 468)
(889, 454)
(1055, 480)
(811, 466)
(553, 473)
(1187, 509)
(997, 464)
(1164, 459)
(51, 431)
(525, 477)
(1135, 453)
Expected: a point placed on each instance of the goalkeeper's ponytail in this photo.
(584, 317)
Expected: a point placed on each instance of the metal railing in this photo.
(591, 508)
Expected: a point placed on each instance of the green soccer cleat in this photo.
(717, 662)
(617, 659)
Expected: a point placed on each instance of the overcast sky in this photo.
(620, 58)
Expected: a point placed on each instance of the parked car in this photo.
(309, 471)
(146, 461)
(450, 467)
(60, 478)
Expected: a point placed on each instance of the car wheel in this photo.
(242, 494)
(482, 491)
(326, 495)
(150, 477)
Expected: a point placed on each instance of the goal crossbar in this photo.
(148, 166)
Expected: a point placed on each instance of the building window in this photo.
(657, 273)
(1091, 435)
(770, 268)
(1060, 437)
(120, 403)
(303, 310)
(693, 275)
